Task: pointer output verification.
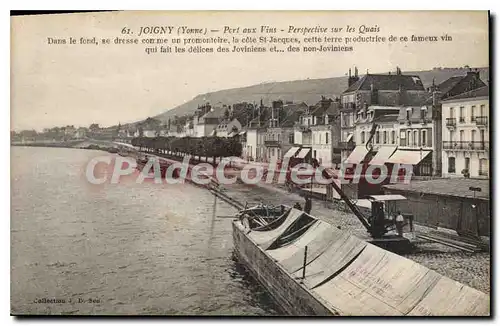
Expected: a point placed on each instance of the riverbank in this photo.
(92, 144)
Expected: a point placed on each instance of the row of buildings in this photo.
(443, 130)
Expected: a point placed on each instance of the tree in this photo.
(205, 146)
(94, 127)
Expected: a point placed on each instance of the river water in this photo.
(126, 248)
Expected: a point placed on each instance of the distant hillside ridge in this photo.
(307, 90)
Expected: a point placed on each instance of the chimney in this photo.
(435, 97)
(373, 95)
(352, 79)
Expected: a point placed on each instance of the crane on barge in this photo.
(377, 224)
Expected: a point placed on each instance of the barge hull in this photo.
(293, 298)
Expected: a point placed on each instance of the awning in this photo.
(291, 152)
(383, 154)
(408, 157)
(303, 152)
(357, 155)
(349, 137)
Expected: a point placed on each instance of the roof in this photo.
(291, 118)
(448, 187)
(388, 118)
(448, 84)
(295, 106)
(387, 82)
(216, 112)
(387, 197)
(323, 109)
(333, 108)
(478, 92)
(456, 85)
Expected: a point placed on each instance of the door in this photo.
(467, 224)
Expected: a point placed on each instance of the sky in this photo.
(55, 85)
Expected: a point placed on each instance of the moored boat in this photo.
(312, 268)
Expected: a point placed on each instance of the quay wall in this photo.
(456, 213)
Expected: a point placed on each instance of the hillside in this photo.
(309, 90)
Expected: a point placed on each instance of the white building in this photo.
(255, 150)
(227, 128)
(208, 122)
(466, 134)
(325, 132)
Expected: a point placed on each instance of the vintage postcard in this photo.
(265, 163)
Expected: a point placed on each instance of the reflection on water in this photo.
(119, 249)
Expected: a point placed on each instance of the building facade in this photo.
(466, 124)
(392, 90)
(325, 132)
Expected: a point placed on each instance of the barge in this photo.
(312, 268)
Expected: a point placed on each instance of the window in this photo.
(423, 111)
(415, 138)
(472, 135)
(408, 138)
(424, 137)
(408, 114)
(451, 165)
(462, 114)
(290, 138)
(362, 137)
(402, 138)
(472, 113)
(326, 139)
(481, 134)
(461, 135)
(452, 113)
(377, 137)
(481, 110)
(483, 167)
(393, 137)
(467, 163)
(452, 135)
(385, 137)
